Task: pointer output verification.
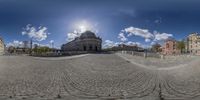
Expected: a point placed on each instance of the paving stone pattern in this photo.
(96, 77)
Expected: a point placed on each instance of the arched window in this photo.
(96, 48)
(84, 48)
(90, 47)
(167, 45)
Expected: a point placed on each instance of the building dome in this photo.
(88, 41)
(88, 34)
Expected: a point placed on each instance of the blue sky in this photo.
(107, 17)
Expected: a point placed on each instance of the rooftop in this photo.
(88, 34)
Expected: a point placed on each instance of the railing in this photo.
(142, 54)
(73, 53)
(58, 54)
(157, 55)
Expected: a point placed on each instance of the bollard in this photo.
(162, 56)
(145, 55)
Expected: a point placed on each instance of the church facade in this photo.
(2, 46)
(88, 41)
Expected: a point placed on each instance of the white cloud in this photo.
(80, 26)
(77, 33)
(38, 34)
(51, 41)
(15, 43)
(152, 43)
(161, 36)
(139, 32)
(84, 25)
(144, 33)
(122, 37)
(41, 45)
(108, 44)
(72, 35)
(147, 40)
(130, 43)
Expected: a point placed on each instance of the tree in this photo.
(156, 48)
(11, 49)
(40, 50)
(181, 45)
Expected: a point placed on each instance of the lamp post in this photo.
(52, 45)
(31, 45)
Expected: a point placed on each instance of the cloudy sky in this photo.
(141, 22)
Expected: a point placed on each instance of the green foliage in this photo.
(156, 48)
(40, 50)
(181, 45)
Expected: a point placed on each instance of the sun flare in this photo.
(82, 28)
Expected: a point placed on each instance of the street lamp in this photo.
(31, 45)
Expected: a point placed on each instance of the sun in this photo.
(82, 28)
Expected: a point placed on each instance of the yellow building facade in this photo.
(2, 47)
(193, 44)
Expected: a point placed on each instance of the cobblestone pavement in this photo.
(95, 77)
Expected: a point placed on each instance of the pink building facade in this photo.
(170, 47)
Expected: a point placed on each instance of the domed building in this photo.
(2, 46)
(88, 41)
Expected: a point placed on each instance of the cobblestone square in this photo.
(96, 77)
